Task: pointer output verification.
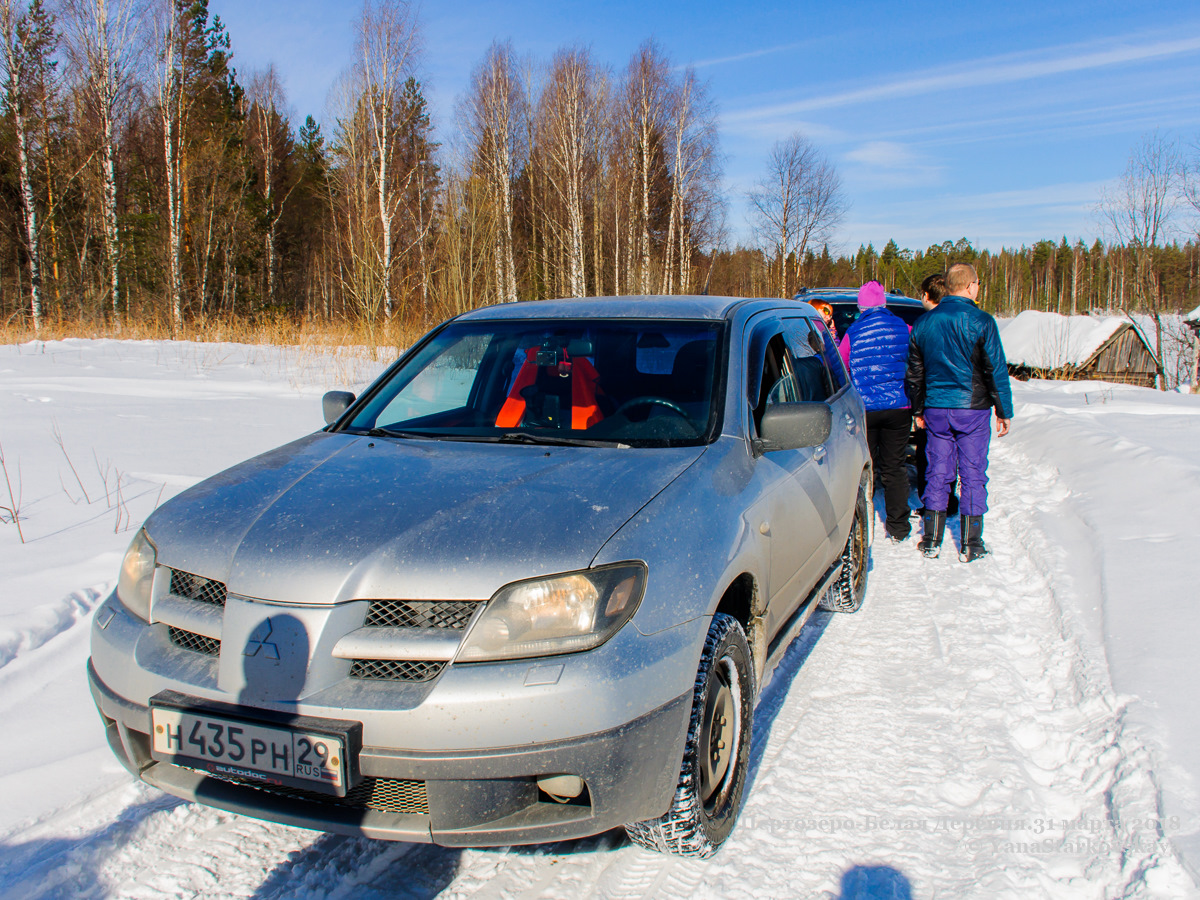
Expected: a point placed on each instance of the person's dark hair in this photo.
(935, 286)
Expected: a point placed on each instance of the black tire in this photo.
(846, 593)
(716, 754)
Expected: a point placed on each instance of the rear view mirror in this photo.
(334, 403)
(790, 426)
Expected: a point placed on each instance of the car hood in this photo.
(335, 517)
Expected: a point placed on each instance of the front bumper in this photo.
(477, 798)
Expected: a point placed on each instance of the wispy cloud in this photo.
(771, 130)
(1164, 110)
(1068, 195)
(751, 54)
(989, 219)
(887, 164)
(884, 154)
(997, 70)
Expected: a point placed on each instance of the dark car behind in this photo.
(844, 302)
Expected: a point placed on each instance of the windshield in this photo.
(641, 383)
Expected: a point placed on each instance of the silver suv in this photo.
(527, 587)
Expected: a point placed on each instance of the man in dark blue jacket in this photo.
(957, 373)
(875, 349)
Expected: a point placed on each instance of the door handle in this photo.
(819, 452)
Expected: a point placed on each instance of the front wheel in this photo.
(716, 754)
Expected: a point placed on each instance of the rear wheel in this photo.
(716, 754)
(846, 593)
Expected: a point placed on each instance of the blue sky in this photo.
(1000, 123)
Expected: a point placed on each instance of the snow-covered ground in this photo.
(1021, 727)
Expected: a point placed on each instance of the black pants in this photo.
(887, 436)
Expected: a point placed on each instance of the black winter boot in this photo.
(935, 530)
(972, 538)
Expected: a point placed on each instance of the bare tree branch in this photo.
(798, 203)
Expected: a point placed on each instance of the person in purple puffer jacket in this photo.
(875, 350)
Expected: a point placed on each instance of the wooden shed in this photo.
(1078, 348)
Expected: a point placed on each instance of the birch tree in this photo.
(174, 103)
(1139, 211)
(695, 173)
(270, 142)
(570, 119)
(466, 241)
(1140, 208)
(1190, 185)
(355, 224)
(28, 44)
(796, 204)
(388, 42)
(646, 88)
(493, 117)
(104, 45)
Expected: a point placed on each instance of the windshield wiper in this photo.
(524, 437)
(509, 437)
(397, 433)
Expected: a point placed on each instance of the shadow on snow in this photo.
(69, 867)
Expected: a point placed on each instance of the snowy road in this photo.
(952, 737)
(959, 736)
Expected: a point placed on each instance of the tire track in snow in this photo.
(45, 623)
(956, 737)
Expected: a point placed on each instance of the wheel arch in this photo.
(738, 599)
(742, 600)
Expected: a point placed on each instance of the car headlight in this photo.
(137, 576)
(559, 614)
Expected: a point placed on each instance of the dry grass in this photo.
(378, 341)
(342, 355)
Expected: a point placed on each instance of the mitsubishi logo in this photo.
(258, 641)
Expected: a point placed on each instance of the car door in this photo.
(799, 510)
(839, 461)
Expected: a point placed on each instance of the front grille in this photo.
(390, 795)
(395, 669)
(189, 640)
(195, 587)
(451, 614)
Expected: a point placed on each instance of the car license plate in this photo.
(294, 754)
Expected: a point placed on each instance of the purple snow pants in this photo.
(957, 447)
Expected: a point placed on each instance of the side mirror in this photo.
(334, 403)
(790, 426)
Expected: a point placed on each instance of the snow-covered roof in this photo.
(1193, 316)
(1045, 340)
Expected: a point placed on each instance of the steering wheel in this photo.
(650, 401)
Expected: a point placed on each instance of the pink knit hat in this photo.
(871, 294)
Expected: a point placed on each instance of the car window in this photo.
(443, 385)
(833, 359)
(814, 379)
(642, 382)
(778, 382)
(844, 315)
